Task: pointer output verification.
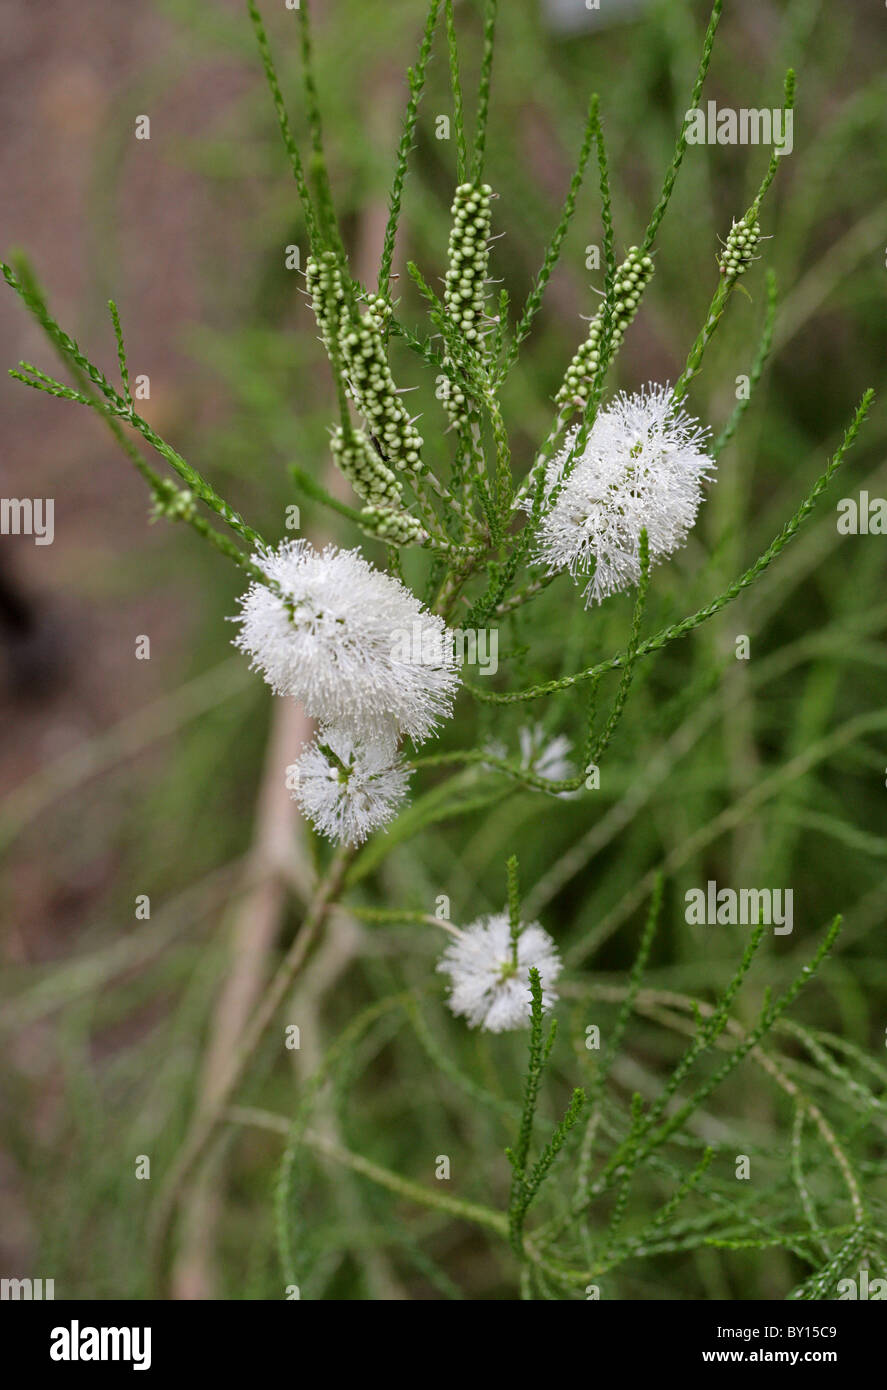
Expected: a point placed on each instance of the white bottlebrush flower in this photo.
(643, 466)
(332, 636)
(487, 987)
(348, 788)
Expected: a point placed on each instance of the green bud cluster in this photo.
(178, 504)
(454, 399)
(324, 283)
(367, 473)
(631, 280)
(360, 342)
(373, 389)
(465, 295)
(739, 249)
(455, 402)
(468, 258)
(390, 524)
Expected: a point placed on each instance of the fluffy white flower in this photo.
(353, 644)
(643, 465)
(348, 788)
(487, 987)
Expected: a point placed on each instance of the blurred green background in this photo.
(123, 777)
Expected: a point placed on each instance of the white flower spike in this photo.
(331, 636)
(642, 467)
(487, 988)
(348, 788)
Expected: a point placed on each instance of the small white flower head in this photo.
(643, 466)
(331, 635)
(546, 757)
(540, 754)
(487, 987)
(348, 788)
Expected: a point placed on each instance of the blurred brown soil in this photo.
(97, 212)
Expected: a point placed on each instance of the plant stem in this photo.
(205, 1124)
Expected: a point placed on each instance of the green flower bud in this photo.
(629, 283)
